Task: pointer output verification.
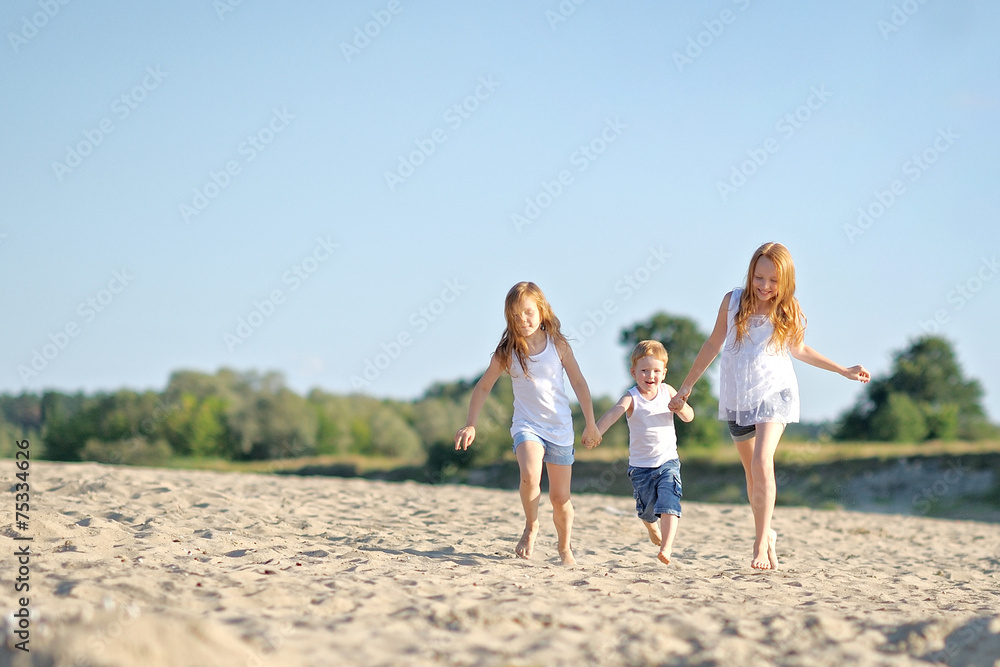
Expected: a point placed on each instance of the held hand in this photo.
(676, 403)
(464, 437)
(859, 373)
(591, 436)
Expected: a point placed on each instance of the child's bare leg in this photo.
(529, 461)
(668, 526)
(764, 492)
(745, 449)
(654, 532)
(562, 508)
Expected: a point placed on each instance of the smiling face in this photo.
(648, 372)
(526, 317)
(765, 280)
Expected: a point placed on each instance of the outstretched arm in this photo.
(466, 434)
(709, 351)
(613, 414)
(591, 436)
(810, 356)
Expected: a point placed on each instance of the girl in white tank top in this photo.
(535, 353)
(540, 401)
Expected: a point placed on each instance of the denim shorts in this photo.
(656, 490)
(560, 455)
(741, 433)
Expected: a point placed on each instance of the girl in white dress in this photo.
(759, 328)
(535, 353)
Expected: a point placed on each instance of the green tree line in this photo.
(247, 415)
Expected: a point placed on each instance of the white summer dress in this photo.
(756, 380)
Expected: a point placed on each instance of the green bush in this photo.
(130, 451)
(942, 422)
(899, 419)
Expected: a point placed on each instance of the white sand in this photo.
(161, 567)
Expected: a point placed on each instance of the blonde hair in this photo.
(512, 342)
(784, 311)
(649, 348)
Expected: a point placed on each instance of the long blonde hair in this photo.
(784, 312)
(512, 342)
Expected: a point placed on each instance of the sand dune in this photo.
(164, 567)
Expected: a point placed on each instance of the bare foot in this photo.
(654, 532)
(764, 555)
(527, 542)
(567, 557)
(663, 558)
(772, 554)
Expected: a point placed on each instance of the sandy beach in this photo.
(133, 566)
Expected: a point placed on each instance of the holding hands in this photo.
(677, 403)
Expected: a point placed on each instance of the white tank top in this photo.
(540, 401)
(756, 379)
(652, 440)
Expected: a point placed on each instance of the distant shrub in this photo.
(130, 451)
(899, 419)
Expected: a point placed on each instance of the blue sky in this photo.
(344, 192)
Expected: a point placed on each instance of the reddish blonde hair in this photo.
(649, 348)
(784, 311)
(512, 342)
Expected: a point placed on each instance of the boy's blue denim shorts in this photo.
(560, 455)
(656, 490)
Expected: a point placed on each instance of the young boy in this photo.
(654, 467)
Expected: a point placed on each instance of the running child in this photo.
(759, 328)
(535, 353)
(653, 465)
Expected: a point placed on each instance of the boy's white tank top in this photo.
(540, 401)
(652, 440)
